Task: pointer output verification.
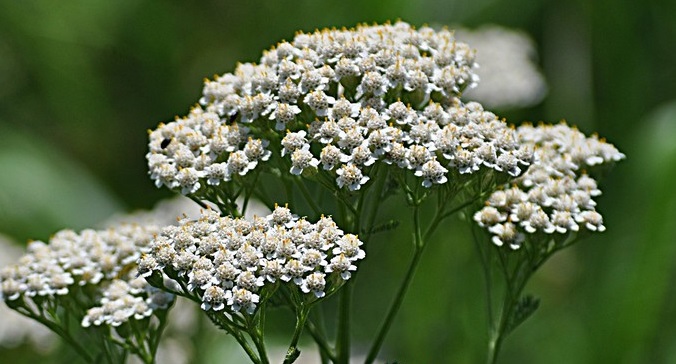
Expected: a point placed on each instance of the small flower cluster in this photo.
(201, 146)
(101, 262)
(16, 329)
(124, 299)
(228, 261)
(556, 194)
(343, 100)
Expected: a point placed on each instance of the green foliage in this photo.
(525, 307)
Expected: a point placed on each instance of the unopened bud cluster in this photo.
(556, 194)
(340, 100)
(227, 261)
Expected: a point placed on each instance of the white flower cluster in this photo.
(555, 195)
(346, 98)
(201, 146)
(123, 300)
(367, 63)
(16, 329)
(228, 261)
(428, 142)
(509, 72)
(103, 260)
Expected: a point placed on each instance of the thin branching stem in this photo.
(484, 258)
(418, 248)
(394, 308)
(257, 338)
(317, 333)
(375, 203)
(345, 309)
(199, 202)
(343, 338)
(223, 322)
(292, 353)
(249, 190)
(155, 343)
(61, 332)
(308, 197)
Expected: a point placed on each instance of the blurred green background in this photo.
(82, 81)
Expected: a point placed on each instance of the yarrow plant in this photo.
(544, 210)
(234, 267)
(84, 287)
(343, 100)
(333, 123)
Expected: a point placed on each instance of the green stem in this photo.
(109, 349)
(249, 191)
(224, 323)
(499, 334)
(320, 338)
(199, 202)
(345, 199)
(61, 332)
(485, 264)
(459, 207)
(256, 329)
(245, 345)
(155, 344)
(138, 347)
(263, 196)
(495, 342)
(505, 270)
(343, 339)
(308, 198)
(292, 353)
(516, 282)
(257, 338)
(345, 308)
(375, 204)
(394, 308)
(419, 247)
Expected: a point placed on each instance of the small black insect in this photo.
(165, 143)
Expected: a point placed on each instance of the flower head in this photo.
(244, 257)
(102, 261)
(556, 194)
(347, 99)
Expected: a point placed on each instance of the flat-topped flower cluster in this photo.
(99, 265)
(339, 100)
(366, 63)
(227, 261)
(556, 194)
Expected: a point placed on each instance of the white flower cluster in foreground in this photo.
(427, 142)
(555, 195)
(99, 264)
(228, 261)
(339, 100)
